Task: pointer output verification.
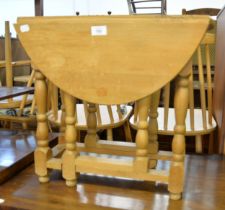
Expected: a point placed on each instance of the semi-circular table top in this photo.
(111, 59)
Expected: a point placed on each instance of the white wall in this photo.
(11, 9)
(176, 6)
(85, 7)
(100, 7)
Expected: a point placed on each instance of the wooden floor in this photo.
(17, 151)
(204, 190)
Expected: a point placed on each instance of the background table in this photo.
(6, 92)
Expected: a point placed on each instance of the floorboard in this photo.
(204, 190)
(16, 151)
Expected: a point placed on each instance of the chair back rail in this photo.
(148, 6)
(99, 119)
(191, 102)
(24, 99)
(201, 86)
(201, 11)
(209, 84)
(166, 104)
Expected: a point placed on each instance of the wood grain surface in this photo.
(204, 190)
(137, 56)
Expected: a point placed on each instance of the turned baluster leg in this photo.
(42, 152)
(70, 153)
(198, 144)
(109, 134)
(153, 127)
(91, 137)
(142, 141)
(176, 177)
(62, 128)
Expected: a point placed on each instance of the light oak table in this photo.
(112, 60)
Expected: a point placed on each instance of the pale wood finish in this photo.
(91, 137)
(199, 121)
(176, 177)
(202, 87)
(69, 155)
(191, 102)
(108, 116)
(166, 104)
(153, 127)
(41, 50)
(23, 78)
(111, 148)
(8, 64)
(42, 152)
(18, 102)
(141, 161)
(102, 114)
(121, 74)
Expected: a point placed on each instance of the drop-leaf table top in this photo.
(111, 59)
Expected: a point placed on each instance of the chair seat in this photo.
(105, 118)
(198, 126)
(15, 103)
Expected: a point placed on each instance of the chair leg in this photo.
(127, 131)
(211, 145)
(153, 127)
(198, 144)
(24, 125)
(109, 134)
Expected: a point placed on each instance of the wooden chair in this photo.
(211, 12)
(199, 121)
(201, 11)
(108, 116)
(17, 103)
(98, 62)
(147, 6)
(204, 11)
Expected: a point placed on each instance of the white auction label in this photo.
(24, 28)
(98, 30)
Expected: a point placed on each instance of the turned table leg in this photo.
(176, 177)
(142, 141)
(91, 137)
(42, 152)
(69, 155)
(153, 127)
